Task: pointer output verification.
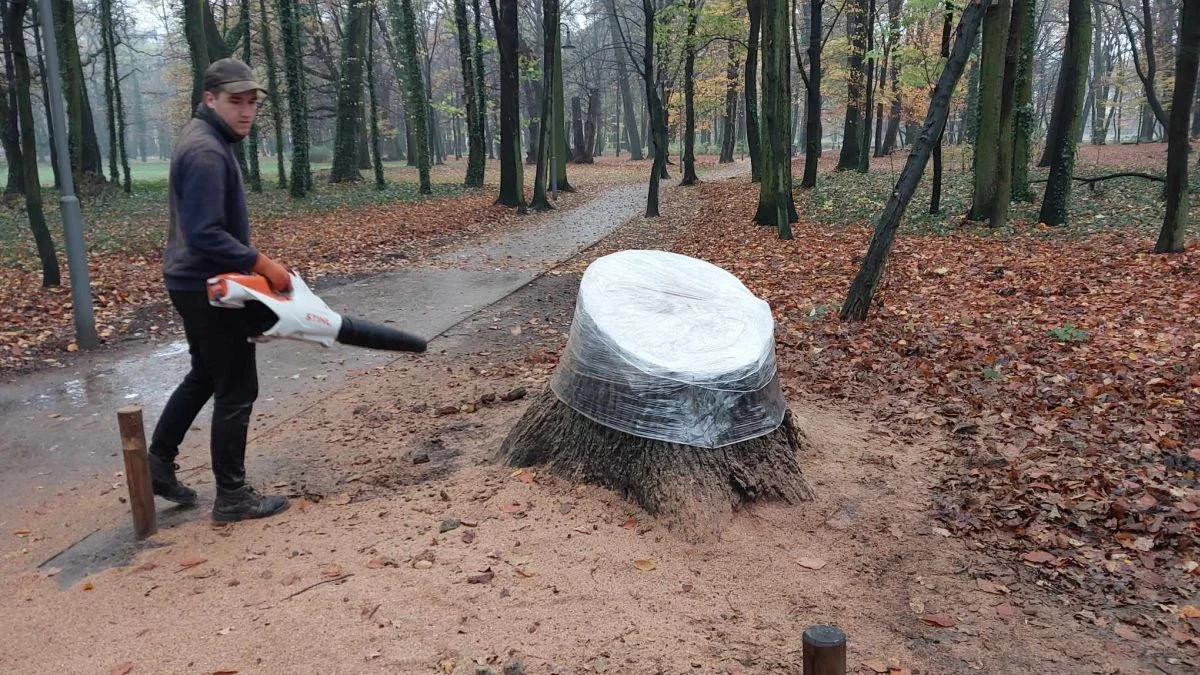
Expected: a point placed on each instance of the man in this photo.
(209, 234)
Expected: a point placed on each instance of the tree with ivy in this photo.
(252, 140)
(1024, 117)
(289, 23)
(349, 94)
(475, 153)
(989, 138)
(404, 27)
(87, 166)
(376, 155)
(775, 203)
(275, 99)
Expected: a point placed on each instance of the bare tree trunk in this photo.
(1171, 237)
(651, 77)
(864, 150)
(858, 300)
(689, 105)
(593, 135)
(812, 106)
(1074, 79)
(729, 130)
(14, 20)
(753, 137)
(1004, 158)
(935, 201)
(512, 184)
(631, 126)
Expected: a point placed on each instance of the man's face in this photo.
(238, 110)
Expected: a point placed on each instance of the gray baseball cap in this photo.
(231, 75)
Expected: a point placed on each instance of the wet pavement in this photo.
(59, 426)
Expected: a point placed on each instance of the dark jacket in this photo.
(209, 229)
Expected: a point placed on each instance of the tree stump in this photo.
(667, 394)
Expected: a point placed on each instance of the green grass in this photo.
(849, 198)
(137, 222)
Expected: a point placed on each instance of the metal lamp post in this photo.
(72, 216)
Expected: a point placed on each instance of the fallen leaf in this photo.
(87, 586)
(21, 532)
(630, 524)
(192, 561)
(943, 620)
(1038, 557)
(644, 565)
(122, 668)
(811, 563)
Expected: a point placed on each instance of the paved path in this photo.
(59, 426)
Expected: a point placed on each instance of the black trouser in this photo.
(223, 368)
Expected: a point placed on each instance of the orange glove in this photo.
(277, 276)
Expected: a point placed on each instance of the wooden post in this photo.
(137, 470)
(824, 651)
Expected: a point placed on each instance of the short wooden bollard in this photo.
(824, 651)
(137, 471)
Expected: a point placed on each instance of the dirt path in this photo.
(360, 577)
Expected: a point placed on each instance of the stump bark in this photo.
(695, 491)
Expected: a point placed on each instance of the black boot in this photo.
(164, 483)
(245, 503)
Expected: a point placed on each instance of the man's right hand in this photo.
(276, 274)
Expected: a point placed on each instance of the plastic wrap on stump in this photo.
(667, 392)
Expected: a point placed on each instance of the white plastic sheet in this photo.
(671, 348)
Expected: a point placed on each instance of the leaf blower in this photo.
(299, 314)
